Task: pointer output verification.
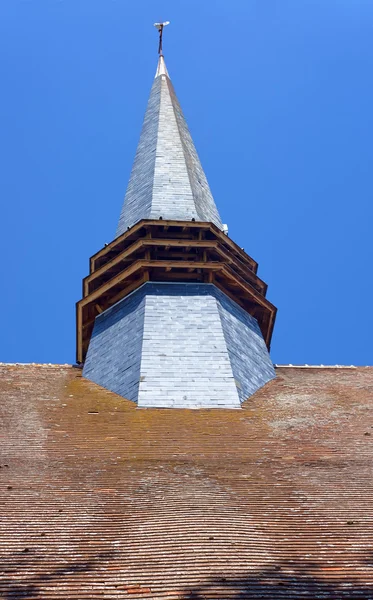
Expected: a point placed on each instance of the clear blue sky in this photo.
(278, 95)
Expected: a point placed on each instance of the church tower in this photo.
(173, 313)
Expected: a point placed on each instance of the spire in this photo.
(161, 68)
(173, 313)
(167, 178)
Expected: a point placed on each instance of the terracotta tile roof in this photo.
(104, 500)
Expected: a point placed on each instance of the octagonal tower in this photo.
(173, 313)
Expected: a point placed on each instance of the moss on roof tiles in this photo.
(106, 500)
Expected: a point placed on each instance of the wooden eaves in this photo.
(170, 251)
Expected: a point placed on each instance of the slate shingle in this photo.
(167, 178)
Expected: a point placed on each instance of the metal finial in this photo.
(160, 27)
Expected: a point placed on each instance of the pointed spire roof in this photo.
(161, 68)
(167, 178)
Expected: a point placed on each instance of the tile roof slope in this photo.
(104, 500)
(167, 178)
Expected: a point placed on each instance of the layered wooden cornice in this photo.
(164, 251)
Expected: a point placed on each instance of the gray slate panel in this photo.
(138, 200)
(114, 353)
(167, 178)
(185, 362)
(248, 354)
(178, 346)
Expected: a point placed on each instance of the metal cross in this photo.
(160, 27)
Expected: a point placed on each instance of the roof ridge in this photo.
(276, 365)
(291, 366)
(19, 364)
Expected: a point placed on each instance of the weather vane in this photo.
(160, 27)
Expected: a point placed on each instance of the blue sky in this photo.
(278, 95)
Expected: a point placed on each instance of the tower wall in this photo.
(114, 354)
(185, 362)
(178, 345)
(248, 354)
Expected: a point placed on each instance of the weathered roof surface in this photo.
(104, 500)
(167, 178)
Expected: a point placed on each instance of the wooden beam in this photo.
(173, 223)
(109, 265)
(271, 325)
(126, 290)
(234, 260)
(79, 334)
(174, 255)
(245, 285)
(115, 243)
(202, 226)
(187, 264)
(140, 264)
(138, 244)
(242, 300)
(176, 276)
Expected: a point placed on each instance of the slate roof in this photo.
(105, 500)
(167, 178)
